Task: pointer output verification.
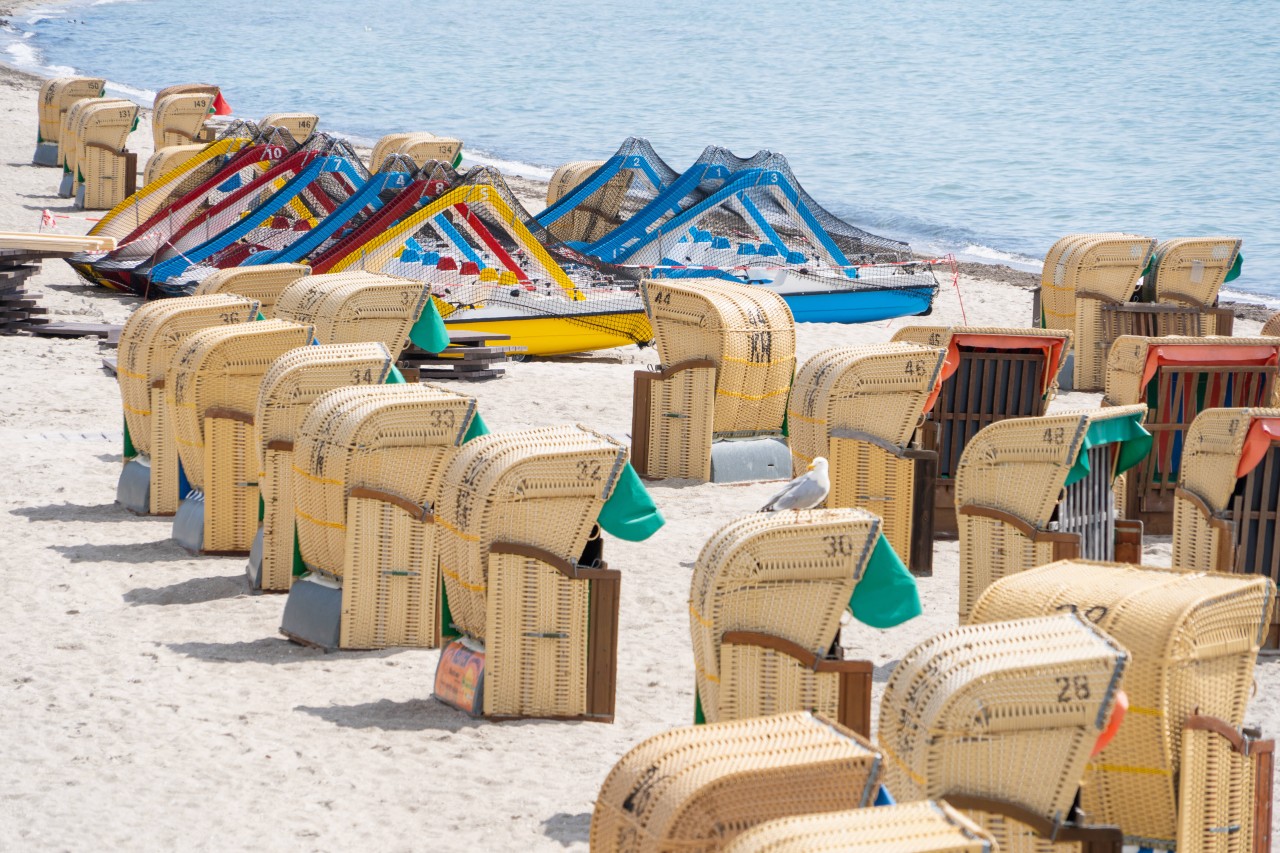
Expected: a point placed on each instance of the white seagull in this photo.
(804, 492)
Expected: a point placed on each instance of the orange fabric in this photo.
(1207, 355)
(1051, 347)
(1113, 725)
(1262, 432)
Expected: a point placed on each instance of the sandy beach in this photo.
(149, 702)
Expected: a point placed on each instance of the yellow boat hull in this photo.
(562, 335)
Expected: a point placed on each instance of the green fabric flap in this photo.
(478, 428)
(1234, 272)
(262, 509)
(630, 512)
(1132, 436)
(887, 594)
(394, 377)
(699, 718)
(428, 333)
(129, 450)
(299, 567)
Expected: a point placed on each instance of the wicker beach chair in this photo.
(765, 604)
(295, 381)
(696, 789)
(1191, 270)
(105, 173)
(73, 122)
(367, 474)
(212, 390)
(924, 827)
(186, 89)
(300, 125)
(264, 283)
(989, 375)
(1033, 490)
(423, 147)
(1176, 378)
(386, 146)
(521, 563)
(599, 214)
(165, 160)
(1226, 508)
(859, 407)
(148, 342)
(1192, 638)
(179, 119)
(56, 97)
(355, 306)
(728, 357)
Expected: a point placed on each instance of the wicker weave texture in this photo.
(1128, 359)
(1215, 796)
(747, 331)
(1104, 259)
(681, 422)
(167, 159)
(695, 789)
(185, 89)
(923, 827)
(101, 169)
(877, 389)
(866, 476)
(56, 97)
(299, 125)
(542, 487)
(355, 306)
(1191, 270)
(264, 283)
(178, 118)
(1193, 638)
(422, 149)
(1008, 710)
(596, 215)
(789, 575)
(940, 336)
(388, 145)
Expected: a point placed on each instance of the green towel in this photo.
(428, 333)
(887, 594)
(1132, 436)
(630, 512)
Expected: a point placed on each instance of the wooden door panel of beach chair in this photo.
(295, 381)
(300, 125)
(179, 118)
(1032, 490)
(56, 97)
(1226, 514)
(165, 160)
(148, 342)
(264, 283)
(672, 420)
(1008, 711)
(355, 306)
(699, 787)
(746, 331)
(765, 604)
(212, 391)
(924, 827)
(1177, 378)
(106, 173)
(1193, 638)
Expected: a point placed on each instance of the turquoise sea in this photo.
(987, 129)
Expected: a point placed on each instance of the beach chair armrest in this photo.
(689, 364)
(225, 414)
(415, 511)
(282, 444)
(1066, 546)
(565, 567)
(1092, 839)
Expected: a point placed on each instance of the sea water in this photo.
(987, 129)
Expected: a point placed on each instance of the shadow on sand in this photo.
(80, 512)
(190, 591)
(414, 715)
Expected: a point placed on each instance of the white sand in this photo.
(148, 701)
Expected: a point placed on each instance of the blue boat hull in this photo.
(859, 306)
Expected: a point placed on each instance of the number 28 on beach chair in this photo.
(714, 410)
(1033, 490)
(1176, 378)
(989, 375)
(859, 407)
(1000, 720)
(1180, 771)
(765, 607)
(1226, 509)
(367, 472)
(56, 97)
(149, 482)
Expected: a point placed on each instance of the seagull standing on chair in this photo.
(804, 492)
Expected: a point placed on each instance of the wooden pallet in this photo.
(75, 330)
(470, 356)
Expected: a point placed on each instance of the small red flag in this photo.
(47, 220)
(220, 105)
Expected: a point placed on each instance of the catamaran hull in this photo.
(561, 335)
(858, 306)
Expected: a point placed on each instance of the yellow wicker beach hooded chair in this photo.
(264, 282)
(924, 827)
(105, 173)
(185, 89)
(1227, 503)
(1176, 378)
(598, 214)
(149, 482)
(295, 381)
(179, 118)
(386, 146)
(56, 97)
(212, 391)
(698, 788)
(990, 374)
(1033, 490)
(714, 410)
(300, 125)
(765, 607)
(859, 407)
(1191, 270)
(69, 139)
(1000, 720)
(367, 472)
(165, 160)
(422, 147)
(349, 307)
(1179, 772)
